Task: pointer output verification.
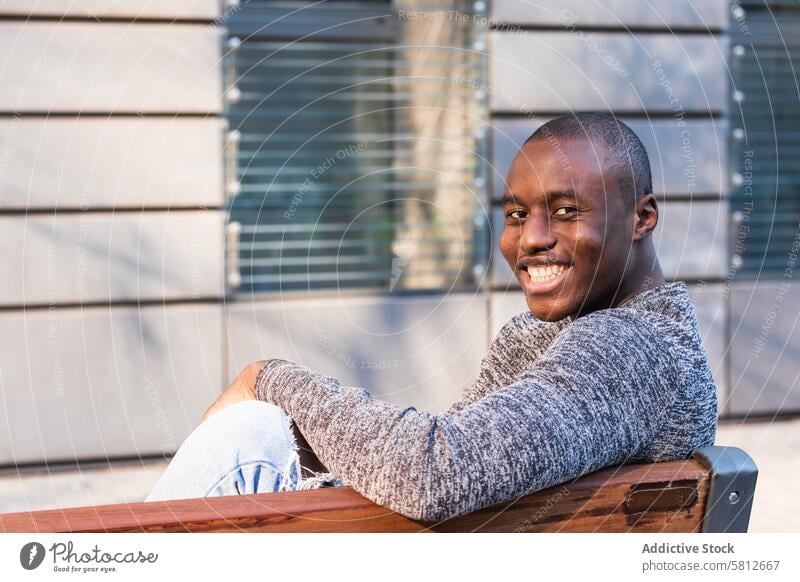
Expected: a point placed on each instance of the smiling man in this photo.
(579, 211)
(606, 367)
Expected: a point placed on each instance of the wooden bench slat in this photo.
(329, 509)
(609, 500)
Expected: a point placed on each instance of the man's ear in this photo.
(646, 217)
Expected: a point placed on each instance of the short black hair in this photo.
(628, 156)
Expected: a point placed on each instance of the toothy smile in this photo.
(545, 273)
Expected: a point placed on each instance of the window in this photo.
(765, 146)
(358, 135)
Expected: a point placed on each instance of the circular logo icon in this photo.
(31, 555)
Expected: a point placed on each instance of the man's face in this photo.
(568, 229)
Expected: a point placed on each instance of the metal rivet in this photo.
(733, 497)
(235, 279)
(738, 51)
(738, 96)
(737, 180)
(234, 136)
(233, 95)
(738, 134)
(234, 187)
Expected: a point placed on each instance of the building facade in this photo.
(188, 186)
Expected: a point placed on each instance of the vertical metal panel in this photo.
(765, 150)
(418, 351)
(84, 258)
(99, 9)
(602, 71)
(687, 156)
(659, 14)
(105, 382)
(89, 163)
(504, 305)
(81, 67)
(765, 347)
(691, 240)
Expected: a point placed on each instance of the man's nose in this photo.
(536, 235)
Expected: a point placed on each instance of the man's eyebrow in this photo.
(508, 198)
(568, 193)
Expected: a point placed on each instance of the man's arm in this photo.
(600, 393)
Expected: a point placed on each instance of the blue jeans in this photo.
(247, 447)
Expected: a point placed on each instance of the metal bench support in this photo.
(733, 485)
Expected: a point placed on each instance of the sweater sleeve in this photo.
(599, 394)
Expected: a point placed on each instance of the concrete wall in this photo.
(111, 146)
(111, 226)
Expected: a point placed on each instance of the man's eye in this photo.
(517, 214)
(565, 211)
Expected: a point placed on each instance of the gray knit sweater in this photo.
(552, 401)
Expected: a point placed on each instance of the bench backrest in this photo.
(712, 491)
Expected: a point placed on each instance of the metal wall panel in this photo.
(503, 306)
(765, 347)
(99, 382)
(90, 67)
(97, 257)
(418, 351)
(316, 21)
(607, 71)
(89, 163)
(177, 9)
(691, 240)
(662, 14)
(685, 158)
(710, 308)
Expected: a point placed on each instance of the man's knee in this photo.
(250, 418)
(244, 447)
(250, 372)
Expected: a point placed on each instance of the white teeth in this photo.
(545, 273)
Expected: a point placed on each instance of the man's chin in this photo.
(545, 310)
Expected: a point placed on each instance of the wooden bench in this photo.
(712, 492)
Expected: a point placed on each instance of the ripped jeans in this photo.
(247, 447)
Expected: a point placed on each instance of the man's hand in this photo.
(241, 389)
